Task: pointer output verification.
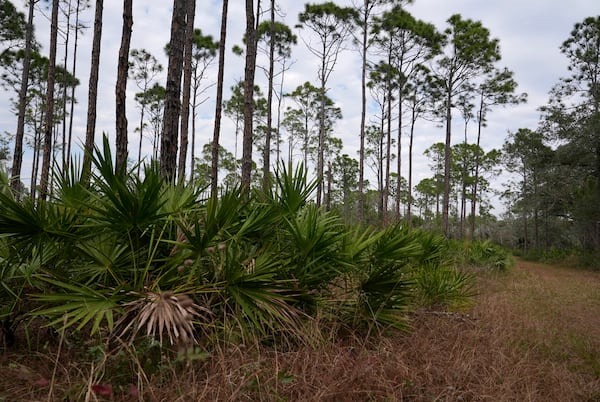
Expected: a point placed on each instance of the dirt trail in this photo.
(550, 316)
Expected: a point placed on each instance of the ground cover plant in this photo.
(133, 268)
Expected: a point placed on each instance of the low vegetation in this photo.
(137, 275)
(141, 290)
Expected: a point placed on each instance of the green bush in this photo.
(443, 287)
(483, 255)
(127, 257)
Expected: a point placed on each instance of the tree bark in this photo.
(214, 184)
(267, 150)
(410, 168)
(363, 113)
(388, 148)
(49, 113)
(67, 34)
(447, 160)
(320, 158)
(248, 97)
(121, 86)
(93, 92)
(399, 145)
(168, 145)
(477, 162)
(73, 69)
(187, 84)
(18, 150)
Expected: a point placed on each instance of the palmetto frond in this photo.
(158, 313)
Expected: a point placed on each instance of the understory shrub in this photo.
(482, 255)
(128, 258)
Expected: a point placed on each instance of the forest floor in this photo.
(532, 334)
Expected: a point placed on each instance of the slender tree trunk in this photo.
(320, 151)
(388, 152)
(380, 186)
(597, 231)
(363, 113)
(121, 87)
(248, 97)
(525, 224)
(193, 148)
(477, 162)
(219, 105)
(267, 150)
(306, 140)
(49, 113)
(329, 180)
(139, 159)
(18, 150)
(73, 69)
(93, 91)
(536, 221)
(463, 190)
(447, 161)
(37, 142)
(279, 102)
(187, 83)
(410, 168)
(290, 150)
(399, 145)
(64, 94)
(168, 144)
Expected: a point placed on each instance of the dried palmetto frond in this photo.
(159, 312)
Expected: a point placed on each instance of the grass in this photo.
(533, 334)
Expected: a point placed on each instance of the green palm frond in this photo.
(213, 223)
(252, 287)
(291, 189)
(358, 241)
(397, 244)
(104, 259)
(443, 287)
(30, 221)
(434, 249)
(125, 202)
(314, 248)
(383, 284)
(79, 305)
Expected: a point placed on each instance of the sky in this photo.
(530, 34)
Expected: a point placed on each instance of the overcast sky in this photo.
(530, 33)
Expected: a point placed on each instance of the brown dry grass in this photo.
(533, 335)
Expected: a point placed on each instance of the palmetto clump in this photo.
(158, 312)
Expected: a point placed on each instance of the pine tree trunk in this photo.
(320, 158)
(187, 84)
(73, 71)
(476, 180)
(447, 157)
(363, 113)
(121, 87)
(214, 184)
(64, 94)
(399, 145)
(248, 97)
(37, 142)
(168, 144)
(267, 150)
(388, 150)
(93, 92)
(49, 113)
(410, 168)
(18, 150)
